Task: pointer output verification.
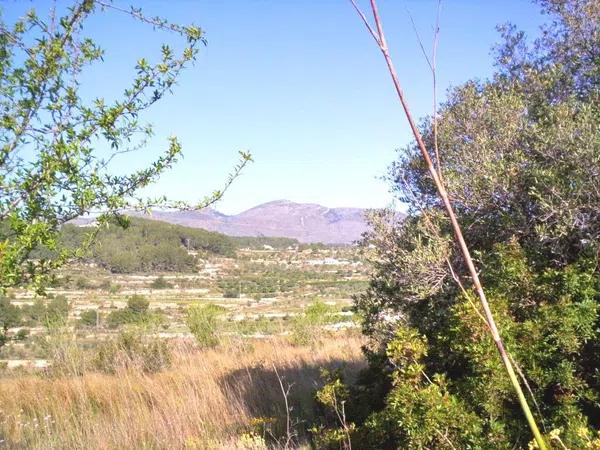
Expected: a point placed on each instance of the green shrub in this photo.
(160, 283)
(82, 283)
(133, 350)
(334, 431)
(21, 335)
(10, 315)
(57, 311)
(520, 163)
(230, 293)
(89, 318)
(204, 323)
(308, 327)
(136, 312)
(34, 314)
(138, 304)
(261, 325)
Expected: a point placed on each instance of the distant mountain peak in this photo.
(307, 222)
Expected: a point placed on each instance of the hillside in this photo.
(305, 222)
(151, 245)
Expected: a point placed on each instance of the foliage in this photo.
(261, 325)
(145, 245)
(520, 158)
(57, 149)
(89, 318)
(333, 397)
(160, 283)
(148, 246)
(57, 311)
(10, 316)
(307, 327)
(204, 323)
(133, 350)
(135, 313)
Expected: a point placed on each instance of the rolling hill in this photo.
(305, 222)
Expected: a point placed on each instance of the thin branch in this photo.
(431, 62)
(365, 21)
(436, 38)
(288, 421)
(419, 40)
(445, 438)
(526, 383)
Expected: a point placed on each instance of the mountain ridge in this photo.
(307, 222)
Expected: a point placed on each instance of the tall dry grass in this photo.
(207, 400)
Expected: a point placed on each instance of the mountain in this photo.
(306, 222)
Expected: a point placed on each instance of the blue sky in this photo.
(300, 84)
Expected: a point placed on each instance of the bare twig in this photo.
(436, 36)
(288, 420)
(431, 62)
(443, 194)
(445, 437)
(465, 293)
(366, 22)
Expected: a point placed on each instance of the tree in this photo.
(136, 312)
(520, 157)
(56, 148)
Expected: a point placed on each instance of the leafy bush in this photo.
(261, 325)
(57, 311)
(160, 283)
(230, 293)
(148, 246)
(89, 318)
(138, 304)
(136, 312)
(10, 316)
(308, 327)
(132, 350)
(520, 161)
(204, 323)
(82, 283)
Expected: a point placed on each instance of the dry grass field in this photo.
(151, 383)
(229, 397)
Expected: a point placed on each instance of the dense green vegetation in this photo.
(203, 322)
(50, 168)
(50, 313)
(152, 246)
(520, 155)
(135, 313)
(148, 245)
